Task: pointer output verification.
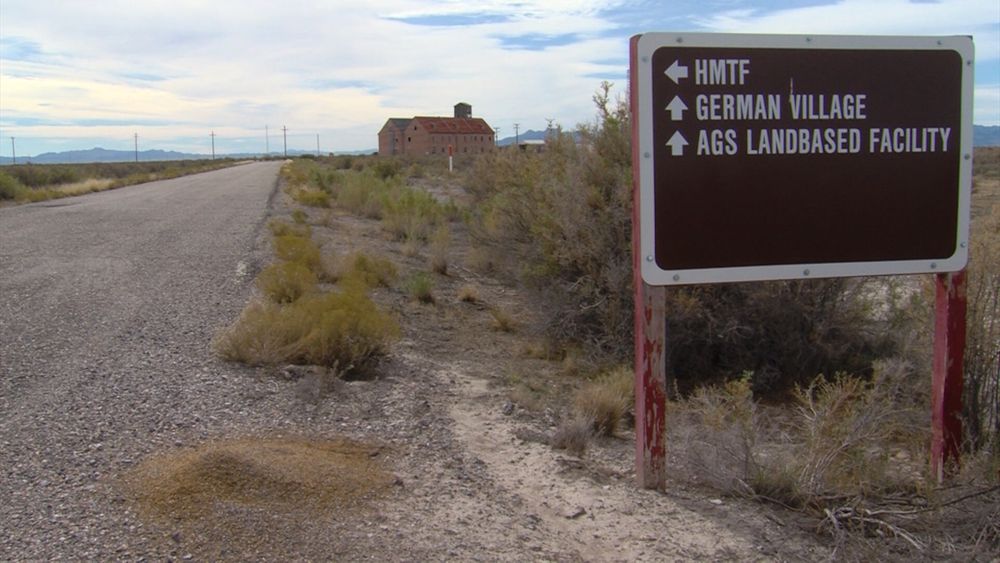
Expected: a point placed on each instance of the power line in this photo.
(517, 140)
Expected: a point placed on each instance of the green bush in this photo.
(560, 221)
(371, 271)
(312, 198)
(285, 282)
(421, 287)
(385, 169)
(10, 187)
(280, 228)
(299, 249)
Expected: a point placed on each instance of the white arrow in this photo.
(676, 108)
(675, 72)
(677, 143)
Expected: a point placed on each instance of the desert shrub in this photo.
(838, 442)
(385, 168)
(606, 401)
(560, 221)
(10, 187)
(439, 242)
(361, 194)
(298, 172)
(372, 271)
(281, 228)
(981, 391)
(468, 294)
(573, 435)
(342, 330)
(410, 214)
(284, 282)
(299, 249)
(299, 216)
(312, 198)
(783, 333)
(421, 287)
(502, 320)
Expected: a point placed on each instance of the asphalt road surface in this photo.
(108, 304)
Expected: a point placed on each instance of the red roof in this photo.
(460, 125)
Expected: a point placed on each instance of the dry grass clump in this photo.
(283, 475)
(280, 228)
(294, 248)
(421, 287)
(502, 320)
(468, 294)
(311, 198)
(343, 330)
(285, 282)
(606, 401)
(851, 458)
(573, 435)
(439, 242)
(372, 271)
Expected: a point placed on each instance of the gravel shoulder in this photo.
(108, 304)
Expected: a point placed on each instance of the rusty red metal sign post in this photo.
(767, 157)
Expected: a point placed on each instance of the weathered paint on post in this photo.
(949, 354)
(650, 336)
(650, 391)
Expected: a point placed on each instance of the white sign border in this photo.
(648, 43)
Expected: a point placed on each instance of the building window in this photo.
(409, 139)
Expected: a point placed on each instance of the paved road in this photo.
(108, 304)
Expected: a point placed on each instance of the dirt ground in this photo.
(471, 477)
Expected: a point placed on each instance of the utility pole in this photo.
(517, 140)
(267, 142)
(317, 145)
(137, 147)
(213, 144)
(284, 132)
(497, 133)
(13, 153)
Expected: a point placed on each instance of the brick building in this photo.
(423, 135)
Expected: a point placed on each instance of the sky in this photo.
(77, 74)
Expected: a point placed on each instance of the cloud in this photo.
(334, 69)
(979, 18)
(178, 69)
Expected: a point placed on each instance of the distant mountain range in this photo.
(982, 136)
(98, 154)
(985, 136)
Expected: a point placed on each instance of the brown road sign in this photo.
(782, 157)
